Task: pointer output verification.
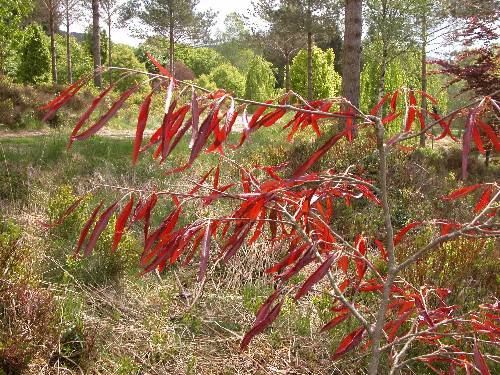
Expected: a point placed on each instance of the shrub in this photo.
(229, 78)
(326, 81)
(260, 80)
(34, 57)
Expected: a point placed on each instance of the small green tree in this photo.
(206, 81)
(104, 44)
(34, 65)
(201, 60)
(228, 77)
(260, 81)
(326, 81)
(81, 60)
(123, 56)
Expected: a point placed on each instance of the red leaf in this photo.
(121, 221)
(63, 95)
(141, 125)
(390, 117)
(87, 114)
(99, 227)
(432, 100)
(490, 133)
(466, 142)
(462, 191)
(334, 322)
(162, 70)
(477, 140)
(142, 211)
(343, 263)
(318, 154)
(411, 111)
(406, 229)
(316, 276)
(87, 226)
(375, 109)
(381, 248)
(205, 252)
(195, 118)
(485, 199)
(64, 215)
(261, 325)
(479, 360)
(394, 101)
(200, 183)
(106, 117)
(349, 342)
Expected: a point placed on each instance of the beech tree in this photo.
(362, 273)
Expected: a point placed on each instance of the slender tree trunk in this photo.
(351, 56)
(423, 103)
(287, 72)
(309, 67)
(96, 42)
(53, 55)
(171, 40)
(68, 50)
(109, 51)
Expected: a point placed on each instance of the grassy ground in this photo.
(102, 317)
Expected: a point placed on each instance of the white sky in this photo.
(222, 7)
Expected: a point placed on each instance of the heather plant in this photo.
(360, 274)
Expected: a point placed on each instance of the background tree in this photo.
(110, 9)
(326, 81)
(71, 10)
(229, 78)
(177, 20)
(96, 43)
(54, 10)
(34, 56)
(123, 56)
(351, 55)
(260, 80)
(12, 14)
(88, 40)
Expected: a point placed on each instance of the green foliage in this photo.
(123, 56)
(260, 80)
(81, 59)
(12, 13)
(87, 42)
(402, 71)
(229, 78)
(206, 81)
(326, 81)
(34, 65)
(201, 60)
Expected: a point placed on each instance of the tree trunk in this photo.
(287, 72)
(53, 55)
(68, 50)
(351, 56)
(309, 67)
(423, 103)
(171, 39)
(109, 51)
(96, 43)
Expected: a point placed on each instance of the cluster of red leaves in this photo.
(294, 210)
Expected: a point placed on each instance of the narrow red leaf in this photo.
(479, 360)
(316, 276)
(64, 215)
(461, 192)
(411, 111)
(349, 342)
(121, 221)
(318, 154)
(141, 125)
(485, 199)
(477, 140)
(490, 133)
(394, 100)
(162, 70)
(87, 114)
(334, 322)
(406, 229)
(381, 248)
(261, 325)
(195, 117)
(99, 227)
(391, 117)
(466, 142)
(106, 117)
(86, 227)
(63, 95)
(205, 252)
(375, 109)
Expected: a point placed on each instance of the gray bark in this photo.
(68, 50)
(171, 40)
(53, 55)
(424, 73)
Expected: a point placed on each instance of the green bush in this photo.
(229, 78)
(123, 56)
(260, 80)
(326, 81)
(34, 56)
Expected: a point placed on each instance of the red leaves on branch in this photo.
(141, 125)
(121, 221)
(316, 276)
(349, 343)
(479, 360)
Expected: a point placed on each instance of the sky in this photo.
(222, 7)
